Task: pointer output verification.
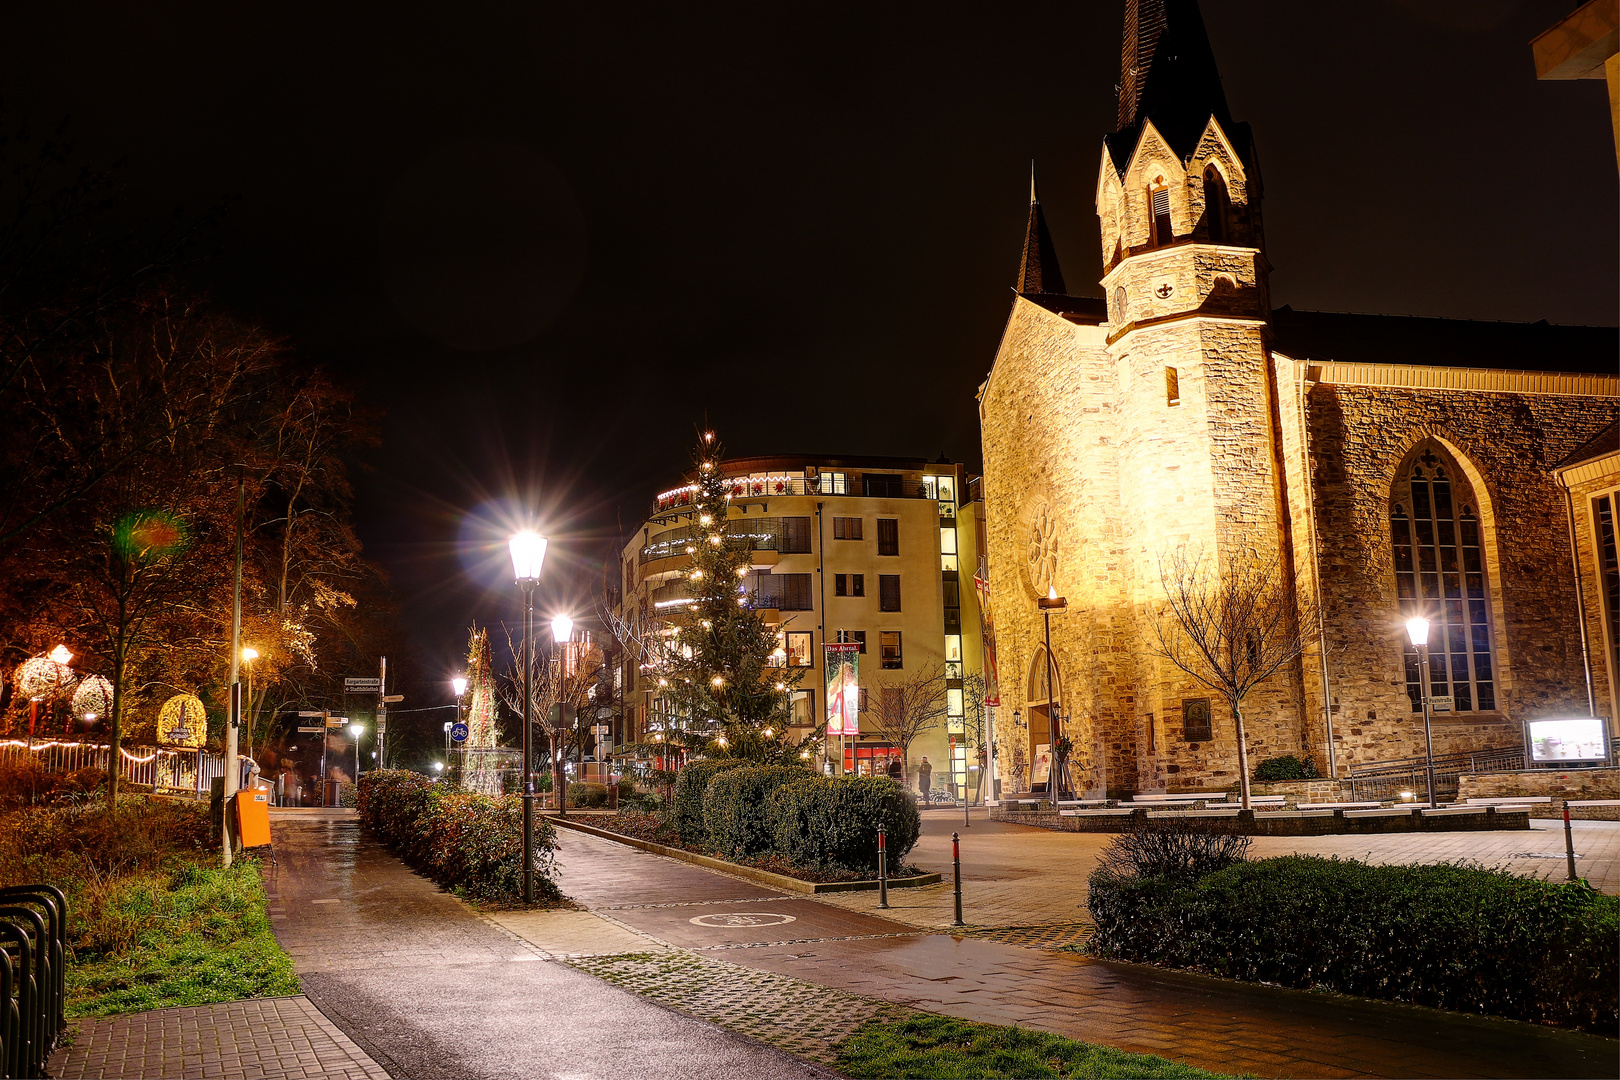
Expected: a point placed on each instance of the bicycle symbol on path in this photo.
(735, 919)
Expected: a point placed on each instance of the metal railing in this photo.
(33, 987)
(751, 534)
(166, 770)
(850, 483)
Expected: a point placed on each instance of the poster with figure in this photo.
(1043, 765)
(987, 628)
(843, 689)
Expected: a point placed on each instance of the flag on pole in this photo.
(843, 689)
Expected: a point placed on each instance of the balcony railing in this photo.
(751, 534)
(876, 487)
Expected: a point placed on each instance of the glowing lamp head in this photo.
(438, 766)
(562, 628)
(528, 553)
(1417, 628)
(89, 717)
(60, 655)
(1051, 592)
(356, 730)
(249, 653)
(459, 685)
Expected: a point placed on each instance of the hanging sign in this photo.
(843, 689)
(987, 629)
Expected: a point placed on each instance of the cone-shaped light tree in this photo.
(721, 667)
(478, 764)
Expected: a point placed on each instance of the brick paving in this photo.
(262, 1039)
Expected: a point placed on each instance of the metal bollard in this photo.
(956, 870)
(1569, 845)
(883, 868)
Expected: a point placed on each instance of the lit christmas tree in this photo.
(722, 670)
(478, 760)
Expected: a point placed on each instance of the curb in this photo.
(764, 877)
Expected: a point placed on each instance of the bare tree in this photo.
(1231, 627)
(553, 680)
(908, 707)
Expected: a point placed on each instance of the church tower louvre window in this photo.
(1440, 574)
(1215, 205)
(1162, 233)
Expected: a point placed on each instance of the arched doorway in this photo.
(1039, 702)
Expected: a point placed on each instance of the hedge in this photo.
(735, 813)
(691, 785)
(465, 841)
(1287, 767)
(833, 823)
(1447, 936)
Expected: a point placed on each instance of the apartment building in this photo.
(878, 552)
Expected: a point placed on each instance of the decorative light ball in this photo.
(742, 571)
(94, 695)
(697, 575)
(707, 466)
(715, 540)
(690, 550)
(768, 732)
(705, 519)
(718, 681)
(45, 679)
(781, 686)
(721, 741)
(183, 721)
(663, 682)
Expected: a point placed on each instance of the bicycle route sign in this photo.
(458, 732)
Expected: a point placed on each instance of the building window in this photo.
(834, 483)
(1603, 514)
(883, 485)
(888, 536)
(846, 528)
(1440, 575)
(795, 536)
(888, 592)
(952, 589)
(849, 584)
(891, 649)
(1195, 726)
(801, 649)
(804, 708)
(1172, 386)
(1161, 216)
(785, 592)
(1121, 304)
(853, 637)
(1215, 205)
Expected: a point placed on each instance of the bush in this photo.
(1287, 767)
(465, 841)
(587, 796)
(832, 823)
(691, 784)
(1180, 850)
(1447, 936)
(735, 810)
(26, 782)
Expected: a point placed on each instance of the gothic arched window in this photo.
(1440, 575)
(1215, 205)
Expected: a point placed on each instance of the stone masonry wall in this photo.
(1503, 442)
(1573, 784)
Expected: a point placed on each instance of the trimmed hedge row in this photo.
(833, 823)
(1447, 936)
(691, 787)
(736, 817)
(465, 841)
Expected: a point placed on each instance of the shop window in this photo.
(888, 536)
(888, 592)
(804, 708)
(891, 657)
(846, 528)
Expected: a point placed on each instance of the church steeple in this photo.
(1168, 75)
(1038, 272)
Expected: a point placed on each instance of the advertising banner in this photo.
(843, 689)
(1572, 739)
(987, 627)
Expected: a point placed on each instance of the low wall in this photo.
(1559, 784)
(1277, 822)
(1302, 790)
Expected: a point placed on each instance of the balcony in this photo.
(875, 486)
(750, 534)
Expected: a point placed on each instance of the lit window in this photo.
(800, 649)
(947, 541)
(891, 657)
(1172, 386)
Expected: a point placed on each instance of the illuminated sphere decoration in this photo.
(45, 679)
(94, 695)
(183, 721)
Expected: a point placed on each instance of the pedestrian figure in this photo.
(925, 773)
(894, 769)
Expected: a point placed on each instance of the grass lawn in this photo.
(929, 1047)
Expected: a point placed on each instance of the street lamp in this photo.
(356, 730)
(562, 632)
(249, 654)
(459, 685)
(1417, 628)
(528, 554)
(1049, 603)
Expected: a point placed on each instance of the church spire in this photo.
(1168, 73)
(1038, 272)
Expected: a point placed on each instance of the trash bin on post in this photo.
(332, 798)
(253, 816)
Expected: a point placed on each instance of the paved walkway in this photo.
(698, 916)
(428, 988)
(282, 1038)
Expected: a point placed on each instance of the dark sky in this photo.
(549, 238)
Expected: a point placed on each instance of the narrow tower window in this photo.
(1172, 387)
(1121, 304)
(1161, 216)
(1215, 205)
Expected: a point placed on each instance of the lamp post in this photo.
(1049, 603)
(528, 553)
(356, 730)
(562, 632)
(459, 686)
(1417, 628)
(249, 654)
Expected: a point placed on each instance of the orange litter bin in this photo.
(253, 816)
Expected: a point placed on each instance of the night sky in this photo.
(548, 239)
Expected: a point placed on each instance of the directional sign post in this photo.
(362, 686)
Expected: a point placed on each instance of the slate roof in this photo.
(1604, 442)
(1038, 272)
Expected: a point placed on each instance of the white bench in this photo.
(1186, 815)
(1448, 811)
(1580, 804)
(1121, 811)
(1276, 814)
(1175, 798)
(1388, 811)
(1340, 805)
(1509, 800)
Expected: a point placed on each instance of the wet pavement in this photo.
(428, 988)
(1218, 1024)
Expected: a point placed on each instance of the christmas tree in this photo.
(478, 760)
(722, 670)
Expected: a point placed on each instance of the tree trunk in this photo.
(1243, 753)
(115, 728)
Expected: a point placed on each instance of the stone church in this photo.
(1386, 465)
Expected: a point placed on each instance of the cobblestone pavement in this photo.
(262, 1039)
(977, 975)
(804, 1019)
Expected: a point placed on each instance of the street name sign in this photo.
(391, 698)
(362, 686)
(310, 730)
(1446, 703)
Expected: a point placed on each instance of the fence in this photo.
(166, 770)
(33, 925)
